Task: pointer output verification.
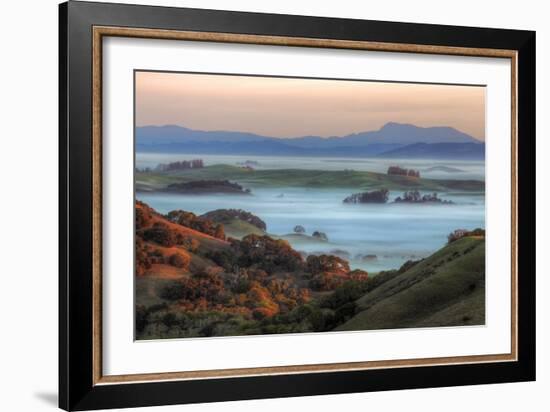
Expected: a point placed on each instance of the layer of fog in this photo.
(394, 233)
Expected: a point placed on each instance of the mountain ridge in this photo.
(391, 132)
(391, 137)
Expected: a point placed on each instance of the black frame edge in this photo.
(526, 123)
(63, 389)
(76, 389)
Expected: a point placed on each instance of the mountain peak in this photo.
(392, 134)
(395, 125)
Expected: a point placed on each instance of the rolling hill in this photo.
(193, 281)
(152, 181)
(445, 289)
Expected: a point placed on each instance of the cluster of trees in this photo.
(414, 196)
(307, 315)
(396, 170)
(320, 235)
(144, 215)
(148, 255)
(204, 286)
(299, 229)
(161, 234)
(181, 165)
(266, 253)
(198, 223)
(207, 186)
(376, 196)
(227, 215)
(160, 320)
(251, 293)
(460, 233)
(254, 285)
(327, 272)
(143, 260)
(153, 235)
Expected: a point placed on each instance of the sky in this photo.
(290, 107)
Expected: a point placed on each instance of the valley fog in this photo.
(372, 237)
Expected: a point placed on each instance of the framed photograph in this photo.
(257, 205)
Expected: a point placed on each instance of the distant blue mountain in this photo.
(179, 134)
(390, 133)
(462, 151)
(390, 139)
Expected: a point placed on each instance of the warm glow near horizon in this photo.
(287, 107)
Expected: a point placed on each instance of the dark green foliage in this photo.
(207, 186)
(376, 196)
(178, 260)
(141, 318)
(169, 319)
(414, 196)
(320, 235)
(460, 233)
(348, 292)
(159, 234)
(399, 171)
(173, 291)
(327, 263)
(181, 165)
(227, 215)
(264, 252)
(192, 221)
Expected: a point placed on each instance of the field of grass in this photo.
(445, 289)
(238, 229)
(302, 178)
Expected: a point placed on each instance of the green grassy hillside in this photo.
(302, 178)
(445, 289)
(238, 229)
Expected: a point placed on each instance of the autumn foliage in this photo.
(460, 233)
(193, 221)
(258, 279)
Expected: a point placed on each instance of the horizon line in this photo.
(310, 135)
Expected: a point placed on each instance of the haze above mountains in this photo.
(393, 140)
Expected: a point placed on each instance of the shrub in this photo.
(190, 220)
(327, 263)
(325, 281)
(143, 215)
(227, 215)
(169, 320)
(460, 233)
(396, 170)
(161, 235)
(173, 291)
(178, 260)
(320, 235)
(376, 196)
(264, 252)
(181, 165)
(299, 229)
(358, 275)
(141, 318)
(143, 261)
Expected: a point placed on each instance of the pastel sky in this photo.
(283, 107)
